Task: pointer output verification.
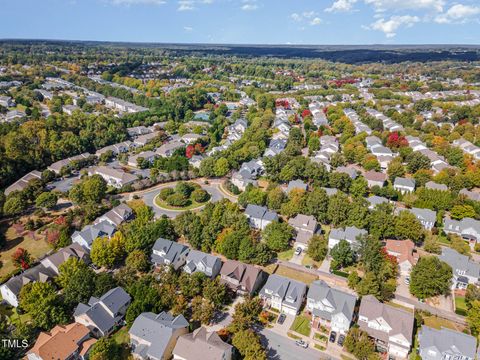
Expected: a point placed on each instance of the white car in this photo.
(407, 280)
(298, 250)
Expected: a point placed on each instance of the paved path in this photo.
(284, 348)
(148, 195)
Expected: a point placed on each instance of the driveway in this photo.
(282, 329)
(223, 318)
(64, 185)
(281, 347)
(297, 259)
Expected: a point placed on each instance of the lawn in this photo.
(285, 255)
(308, 261)
(301, 325)
(36, 247)
(13, 315)
(122, 338)
(194, 205)
(437, 323)
(296, 275)
(460, 306)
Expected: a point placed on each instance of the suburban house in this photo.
(54, 261)
(375, 201)
(404, 185)
(148, 156)
(242, 179)
(305, 226)
(202, 345)
(116, 149)
(242, 278)
(63, 342)
(330, 307)
(465, 270)
(57, 167)
(283, 294)
(431, 185)
(350, 234)
(404, 251)
(167, 149)
(445, 344)
(190, 138)
(475, 196)
(117, 215)
(350, 171)
(11, 289)
(198, 261)
(114, 177)
(467, 228)
(153, 337)
(102, 315)
(390, 327)
(259, 216)
(427, 217)
(89, 233)
(22, 183)
(170, 253)
(375, 178)
(296, 184)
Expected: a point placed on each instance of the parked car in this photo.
(333, 336)
(341, 340)
(407, 280)
(301, 343)
(298, 250)
(281, 319)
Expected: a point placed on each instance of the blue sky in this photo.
(246, 21)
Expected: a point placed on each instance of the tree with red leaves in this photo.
(306, 113)
(395, 141)
(190, 151)
(21, 258)
(388, 257)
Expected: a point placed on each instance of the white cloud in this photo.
(458, 13)
(188, 28)
(296, 17)
(186, 5)
(307, 16)
(138, 2)
(249, 5)
(383, 5)
(390, 26)
(341, 6)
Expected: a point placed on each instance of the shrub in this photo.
(200, 195)
(177, 200)
(165, 193)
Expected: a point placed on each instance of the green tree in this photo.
(316, 204)
(104, 349)
(317, 248)
(43, 304)
(137, 260)
(459, 212)
(202, 310)
(473, 317)
(395, 169)
(108, 252)
(417, 161)
(359, 344)
(222, 167)
(14, 205)
(275, 198)
(278, 235)
(430, 277)
(338, 209)
(407, 226)
(248, 345)
(342, 255)
(46, 200)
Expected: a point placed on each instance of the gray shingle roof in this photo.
(445, 342)
(341, 301)
(172, 250)
(290, 291)
(460, 262)
(156, 330)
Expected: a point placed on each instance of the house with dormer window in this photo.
(169, 253)
(330, 307)
(390, 327)
(465, 270)
(283, 294)
(198, 261)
